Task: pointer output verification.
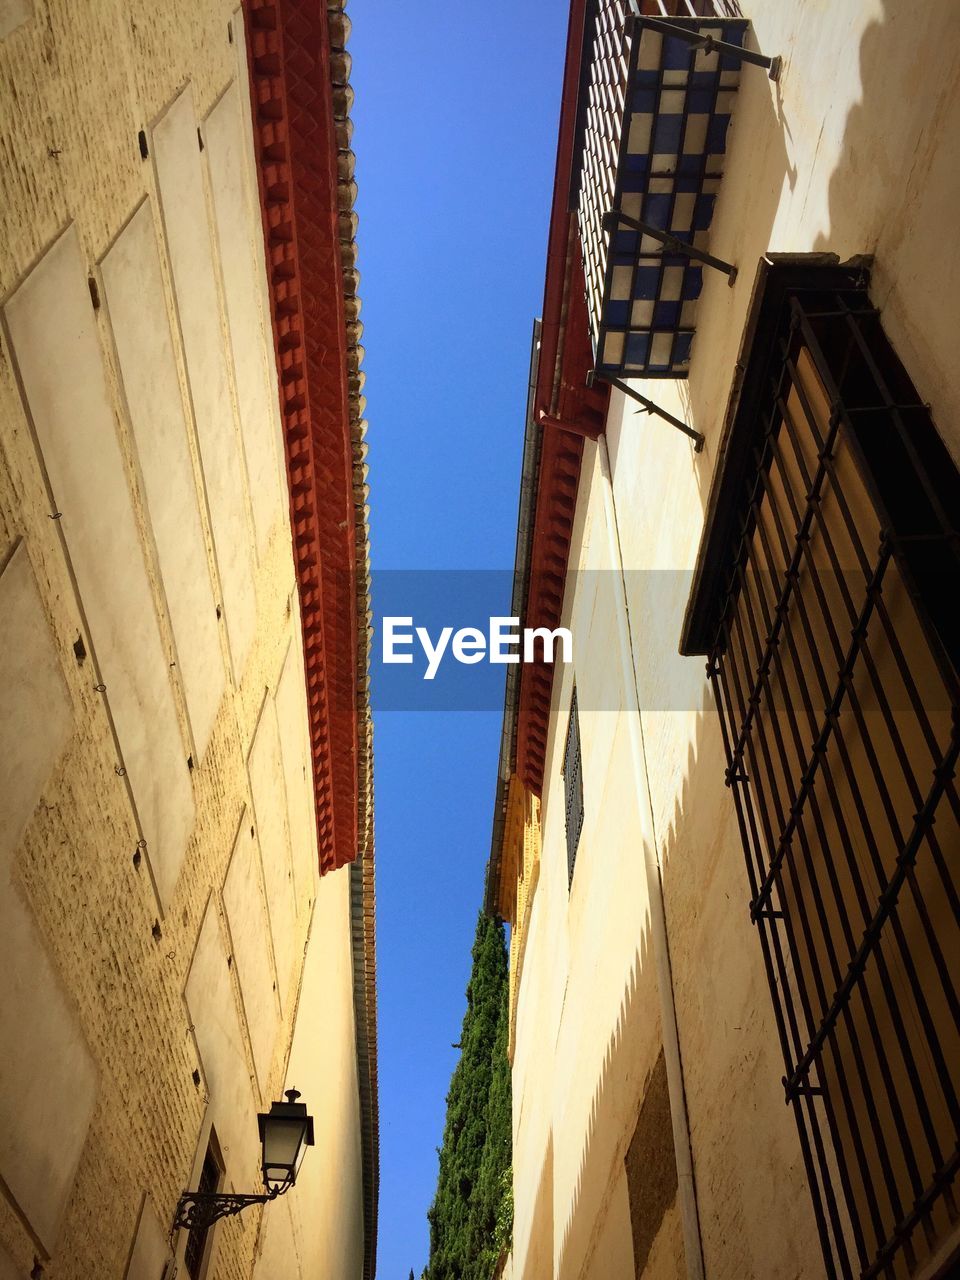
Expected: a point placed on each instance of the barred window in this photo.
(573, 787)
(827, 601)
(195, 1254)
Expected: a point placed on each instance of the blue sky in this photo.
(455, 133)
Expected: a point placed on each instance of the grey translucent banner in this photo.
(444, 640)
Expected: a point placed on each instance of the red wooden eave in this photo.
(296, 147)
(568, 411)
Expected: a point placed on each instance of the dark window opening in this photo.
(834, 661)
(573, 787)
(196, 1249)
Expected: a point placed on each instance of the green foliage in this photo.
(471, 1217)
(503, 1230)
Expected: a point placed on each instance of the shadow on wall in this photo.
(539, 1256)
(908, 74)
(895, 179)
(613, 1116)
(758, 163)
(754, 1207)
(896, 190)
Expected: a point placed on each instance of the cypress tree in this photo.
(469, 1218)
(491, 1221)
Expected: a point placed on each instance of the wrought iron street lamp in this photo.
(285, 1133)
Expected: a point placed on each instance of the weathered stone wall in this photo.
(111, 938)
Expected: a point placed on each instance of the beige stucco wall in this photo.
(856, 150)
(174, 959)
(588, 1032)
(320, 1237)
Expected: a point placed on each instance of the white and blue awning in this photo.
(657, 99)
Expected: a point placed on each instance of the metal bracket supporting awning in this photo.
(613, 220)
(650, 406)
(709, 43)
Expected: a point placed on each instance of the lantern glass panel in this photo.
(283, 1140)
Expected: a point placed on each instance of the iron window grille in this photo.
(209, 1182)
(834, 651)
(573, 787)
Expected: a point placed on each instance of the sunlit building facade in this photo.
(185, 744)
(726, 832)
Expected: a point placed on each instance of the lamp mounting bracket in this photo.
(198, 1210)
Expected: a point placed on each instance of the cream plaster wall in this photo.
(856, 150)
(540, 1000)
(133, 293)
(183, 199)
(12, 13)
(324, 1232)
(270, 807)
(612, 1253)
(245, 904)
(219, 1036)
(297, 769)
(38, 1021)
(144, 547)
(665, 1258)
(53, 337)
(8, 1268)
(234, 209)
(588, 1031)
(151, 1249)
